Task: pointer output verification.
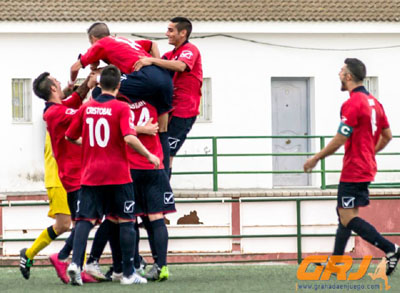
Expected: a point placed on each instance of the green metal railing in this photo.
(323, 170)
(298, 235)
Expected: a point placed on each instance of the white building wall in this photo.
(241, 75)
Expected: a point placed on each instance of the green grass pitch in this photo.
(197, 278)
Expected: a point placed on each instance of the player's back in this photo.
(104, 156)
(366, 115)
(118, 51)
(142, 113)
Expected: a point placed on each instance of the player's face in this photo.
(343, 75)
(56, 87)
(175, 37)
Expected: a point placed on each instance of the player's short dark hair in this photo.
(357, 68)
(110, 78)
(183, 23)
(42, 86)
(98, 30)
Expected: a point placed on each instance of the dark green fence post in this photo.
(323, 173)
(298, 216)
(215, 163)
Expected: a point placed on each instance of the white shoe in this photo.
(93, 269)
(133, 279)
(116, 277)
(74, 273)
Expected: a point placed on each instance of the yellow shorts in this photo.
(58, 201)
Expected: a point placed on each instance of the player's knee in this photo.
(62, 227)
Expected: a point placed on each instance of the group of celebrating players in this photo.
(113, 152)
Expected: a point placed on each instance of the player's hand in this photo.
(310, 164)
(154, 160)
(92, 79)
(143, 61)
(94, 65)
(150, 128)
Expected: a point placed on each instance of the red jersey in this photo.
(142, 112)
(366, 116)
(118, 51)
(58, 117)
(187, 84)
(103, 123)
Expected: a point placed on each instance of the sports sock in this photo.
(41, 242)
(136, 260)
(82, 230)
(66, 250)
(127, 236)
(369, 234)
(150, 234)
(115, 248)
(160, 233)
(166, 150)
(342, 236)
(100, 240)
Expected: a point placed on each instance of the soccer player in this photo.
(364, 130)
(153, 84)
(106, 125)
(58, 210)
(153, 193)
(185, 61)
(58, 114)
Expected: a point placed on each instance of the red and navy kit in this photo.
(103, 123)
(58, 118)
(187, 84)
(142, 112)
(365, 115)
(118, 51)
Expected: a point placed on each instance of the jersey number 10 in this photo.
(96, 130)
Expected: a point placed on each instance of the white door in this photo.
(290, 116)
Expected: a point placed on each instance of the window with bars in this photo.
(371, 84)
(206, 102)
(21, 100)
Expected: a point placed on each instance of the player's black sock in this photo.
(160, 241)
(342, 236)
(127, 240)
(169, 173)
(369, 234)
(136, 260)
(115, 248)
(150, 234)
(82, 230)
(166, 151)
(66, 250)
(100, 241)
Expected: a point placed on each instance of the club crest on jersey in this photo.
(169, 198)
(173, 142)
(186, 54)
(128, 206)
(70, 111)
(348, 202)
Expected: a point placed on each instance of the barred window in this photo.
(21, 100)
(371, 84)
(205, 102)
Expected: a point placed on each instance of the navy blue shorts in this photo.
(152, 84)
(353, 194)
(72, 198)
(178, 128)
(113, 201)
(153, 193)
